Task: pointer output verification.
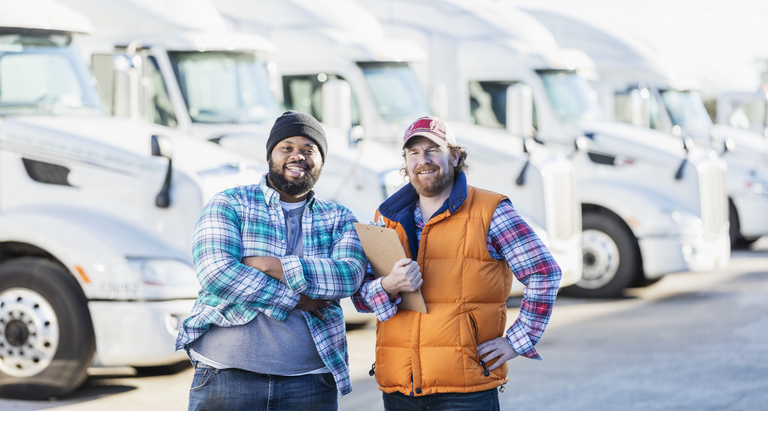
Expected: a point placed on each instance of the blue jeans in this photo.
(239, 390)
(487, 400)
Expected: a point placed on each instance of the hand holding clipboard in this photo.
(383, 249)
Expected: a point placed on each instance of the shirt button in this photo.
(418, 391)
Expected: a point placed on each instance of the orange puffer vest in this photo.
(465, 291)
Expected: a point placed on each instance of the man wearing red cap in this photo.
(463, 246)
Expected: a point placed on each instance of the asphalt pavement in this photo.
(690, 342)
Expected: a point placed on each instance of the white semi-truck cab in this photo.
(649, 206)
(96, 215)
(223, 86)
(340, 40)
(634, 87)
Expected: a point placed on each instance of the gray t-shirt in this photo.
(265, 345)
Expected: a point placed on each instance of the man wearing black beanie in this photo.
(273, 260)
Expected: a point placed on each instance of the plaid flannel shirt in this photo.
(513, 240)
(248, 221)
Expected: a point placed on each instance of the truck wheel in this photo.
(46, 335)
(734, 228)
(611, 258)
(737, 241)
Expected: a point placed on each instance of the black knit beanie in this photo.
(294, 123)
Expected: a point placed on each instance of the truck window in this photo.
(748, 115)
(686, 109)
(395, 90)
(42, 74)
(572, 98)
(225, 87)
(303, 93)
(623, 109)
(488, 103)
(160, 107)
(655, 108)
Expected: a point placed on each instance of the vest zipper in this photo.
(474, 324)
(372, 372)
(474, 329)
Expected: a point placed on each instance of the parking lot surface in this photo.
(690, 342)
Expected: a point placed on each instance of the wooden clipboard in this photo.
(383, 249)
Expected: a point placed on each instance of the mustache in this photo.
(302, 164)
(429, 167)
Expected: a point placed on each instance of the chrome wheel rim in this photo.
(29, 332)
(601, 259)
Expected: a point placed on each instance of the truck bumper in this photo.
(138, 333)
(665, 255)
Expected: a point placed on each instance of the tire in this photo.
(738, 242)
(734, 228)
(611, 258)
(46, 334)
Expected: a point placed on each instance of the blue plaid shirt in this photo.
(248, 221)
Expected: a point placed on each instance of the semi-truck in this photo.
(649, 206)
(223, 86)
(342, 41)
(96, 214)
(635, 87)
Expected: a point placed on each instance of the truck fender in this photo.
(644, 211)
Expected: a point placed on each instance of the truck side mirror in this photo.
(582, 144)
(520, 110)
(729, 145)
(356, 134)
(162, 146)
(337, 104)
(125, 86)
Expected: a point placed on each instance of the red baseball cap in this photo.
(434, 128)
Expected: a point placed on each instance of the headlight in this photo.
(163, 272)
(760, 188)
(673, 222)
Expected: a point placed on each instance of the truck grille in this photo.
(562, 202)
(714, 199)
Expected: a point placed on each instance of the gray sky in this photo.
(715, 42)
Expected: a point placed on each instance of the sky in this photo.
(717, 43)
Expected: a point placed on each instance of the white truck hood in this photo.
(633, 135)
(129, 140)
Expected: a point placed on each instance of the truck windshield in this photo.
(686, 109)
(225, 87)
(571, 96)
(43, 74)
(396, 91)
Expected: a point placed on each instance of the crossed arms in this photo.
(218, 255)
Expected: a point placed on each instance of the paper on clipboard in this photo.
(383, 249)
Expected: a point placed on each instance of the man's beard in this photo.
(297, 187)
(434, 187)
